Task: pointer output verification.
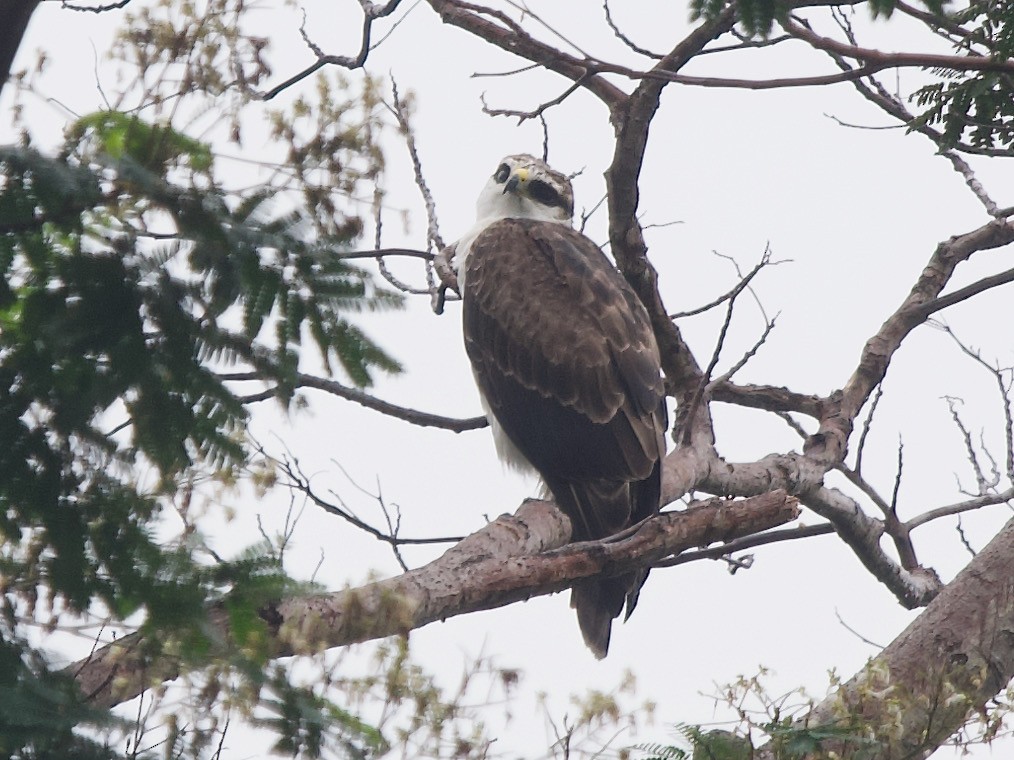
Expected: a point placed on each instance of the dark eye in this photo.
(544, 193)
(502, 173)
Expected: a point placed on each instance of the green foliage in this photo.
(796, 741)
(154, 147)
(757, 17)
(706, 745)
(302, 719)
(104, 333)
(39, 709)
(974, 109)
(129, 281)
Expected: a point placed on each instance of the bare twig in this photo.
(538, 111)
(298, 481)
(747, 355)
(740, 544)
(856, 633)
(970, 505)
(984, 485)
(1004, 387)
(333, 387)
(371, 12)
(739, 287)
(867, 426)
(94, 8)
(698, 395)
(433, 237)
(624, 38)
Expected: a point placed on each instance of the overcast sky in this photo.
(854, 213)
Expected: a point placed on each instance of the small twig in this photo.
(702, 386)
(747, 356)
(548, 27)
(545, 137)
(854, 632)
(735, 564)
(867, 425)
(1004, 386)
(964, 539)
(94, 8)
(586, 215)
(981, 481)
(413, 416)
(736, 290)
(393, 528)
(395, 25)
(625, 39)
(746, 43)
(537, 112)
(379, 252)
(371, 12)
(868, 127)
(893, 506)
(970, 505)
(799, 430)
(512, 72)
(760, 539)
(298, 481)
(863, 485)
(432, 227)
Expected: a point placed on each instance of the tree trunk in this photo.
(14, 16)
(952, 659)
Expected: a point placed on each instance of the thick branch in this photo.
(955, 656)
(512, 559)
(829, 444)
(769, 398)
(632, 120)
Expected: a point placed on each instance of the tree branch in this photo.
(949, 662)
(511, 37)
(414, 416)
(371, 12)
(511, 559)
(883, 60)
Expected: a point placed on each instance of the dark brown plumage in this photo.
(563, 351)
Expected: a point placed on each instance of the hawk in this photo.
(567, 368)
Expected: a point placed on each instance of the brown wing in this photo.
(564, 353)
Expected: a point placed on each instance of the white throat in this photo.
(492, 206)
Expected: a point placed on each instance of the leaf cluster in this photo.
(974, 109)
(758, 17)
(40, 709)
(129, 282)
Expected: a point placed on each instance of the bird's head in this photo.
(525, 187)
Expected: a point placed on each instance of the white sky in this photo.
(857, 212)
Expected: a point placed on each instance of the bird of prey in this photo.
(567, 367)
